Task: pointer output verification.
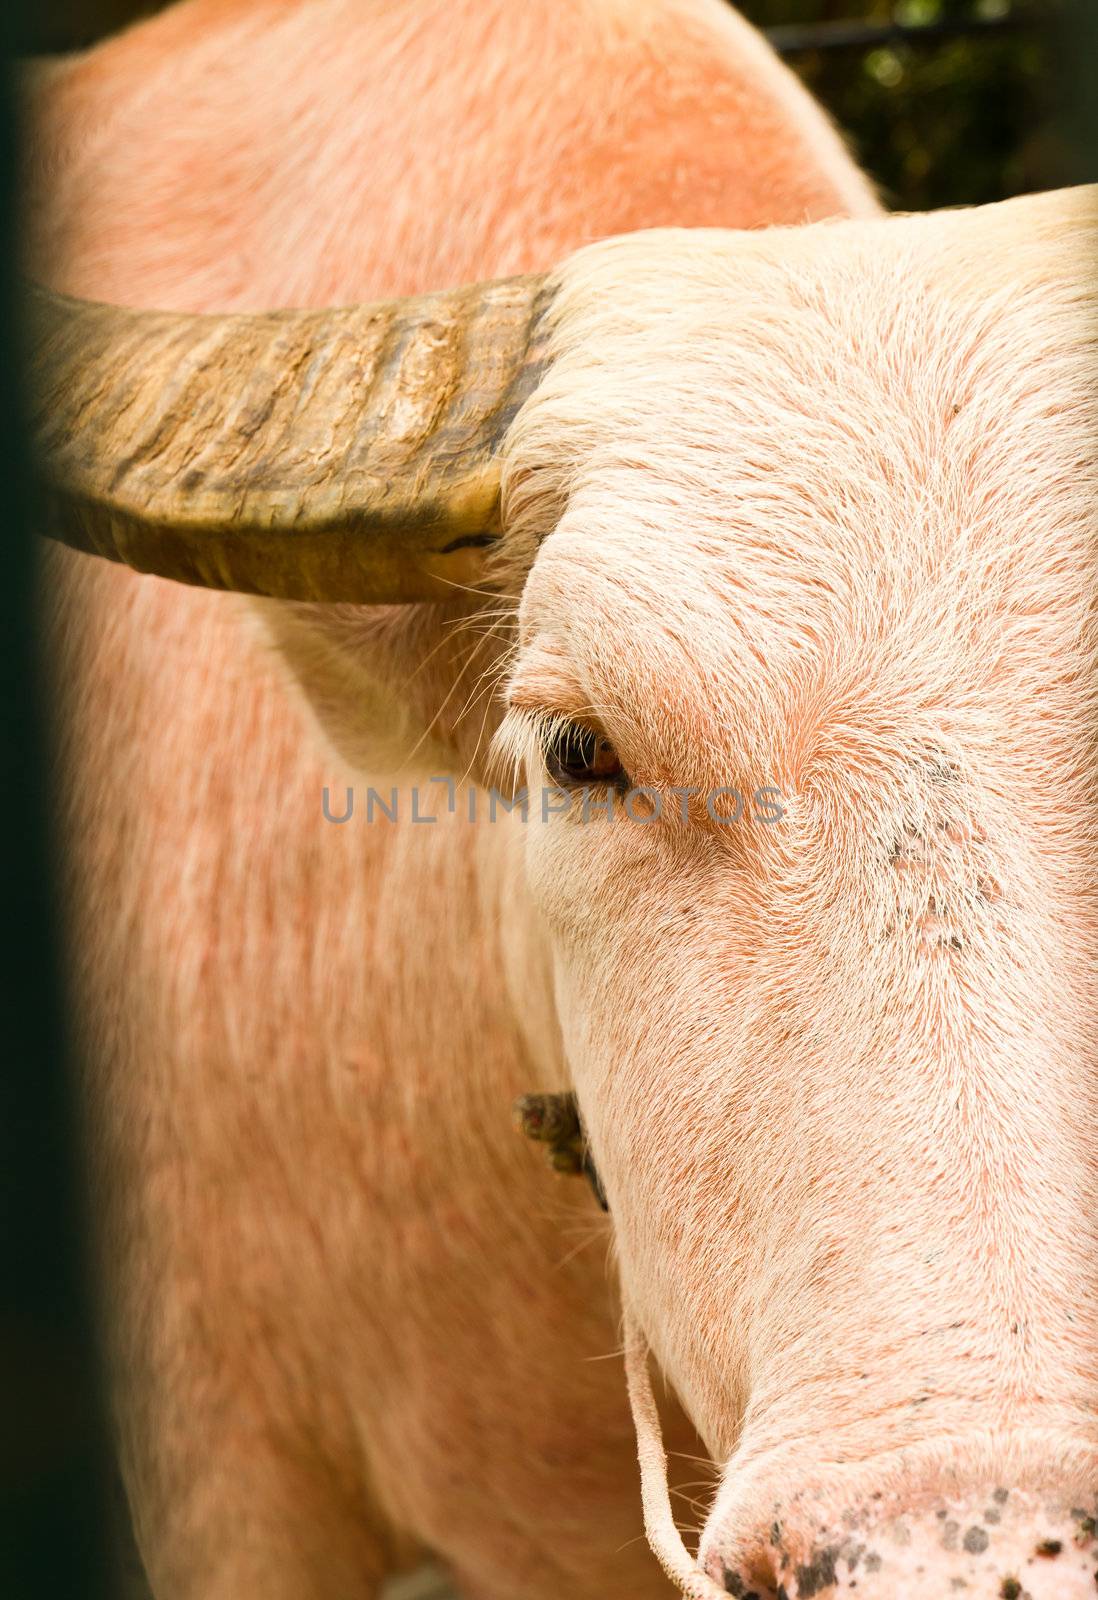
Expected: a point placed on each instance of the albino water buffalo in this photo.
(764, 561)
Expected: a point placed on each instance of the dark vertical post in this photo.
(53, 1464)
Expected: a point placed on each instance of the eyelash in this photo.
(578, 757)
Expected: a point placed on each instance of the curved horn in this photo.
(307, 455)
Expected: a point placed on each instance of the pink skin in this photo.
(852, 1179)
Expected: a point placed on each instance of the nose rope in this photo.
(659, 1523)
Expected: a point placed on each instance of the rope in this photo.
(659, 1523)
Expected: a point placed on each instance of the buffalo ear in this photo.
(399, 690)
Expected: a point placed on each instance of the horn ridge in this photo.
(338, 454)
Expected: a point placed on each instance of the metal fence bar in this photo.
(791, 38)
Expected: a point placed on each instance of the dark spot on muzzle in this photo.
(818, 1574)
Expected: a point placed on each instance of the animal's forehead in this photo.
(814, 471)
(707, 340)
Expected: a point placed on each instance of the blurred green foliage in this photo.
(938, 119)
(944, 119)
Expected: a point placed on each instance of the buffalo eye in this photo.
(575, 756)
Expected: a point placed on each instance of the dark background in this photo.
(962, 113)
(989, 101)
